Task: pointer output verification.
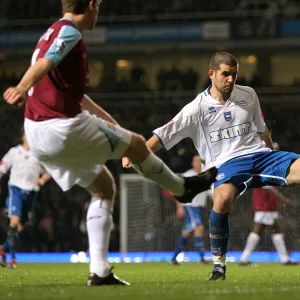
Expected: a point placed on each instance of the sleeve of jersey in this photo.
(183, 125)
(6, 162)
(66, 39)
(258, 116)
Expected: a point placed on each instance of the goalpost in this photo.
(148, 220)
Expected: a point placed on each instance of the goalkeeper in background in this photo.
(193, 220)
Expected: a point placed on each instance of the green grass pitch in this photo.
(152, 281)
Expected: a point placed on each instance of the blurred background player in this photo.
(24, 183)
(193, 217)
(265, 207)
(74, 137)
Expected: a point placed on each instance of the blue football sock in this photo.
(181, 243)
(199, 245)
(11, 240)
(218, 233)
(16, 245)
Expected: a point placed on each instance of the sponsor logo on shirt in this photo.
(60, 45)
(230, 132)
(241, 103)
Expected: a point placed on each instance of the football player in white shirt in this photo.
(227, 127)
(193, 217)
(24, 183)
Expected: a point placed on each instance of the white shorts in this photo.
(74, 150)
(266, 217)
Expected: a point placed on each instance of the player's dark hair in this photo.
(222, 58)
(75, 6)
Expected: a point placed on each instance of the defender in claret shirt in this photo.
(227, 127)
(265, 208)
(73, 137)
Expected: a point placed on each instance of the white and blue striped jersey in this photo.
(219, 131)
(24, 168)
(199, 200)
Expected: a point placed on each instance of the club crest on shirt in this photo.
(220, 176)
(227, 116)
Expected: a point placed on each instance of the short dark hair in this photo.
(75, 6)
(222, 58)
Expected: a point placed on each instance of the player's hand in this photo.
(40, 182)
(126, 163)
(180, 212)
(14, 96)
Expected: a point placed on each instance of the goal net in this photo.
(149, 221)
(148, 218)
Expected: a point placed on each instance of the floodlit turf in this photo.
(152, 281)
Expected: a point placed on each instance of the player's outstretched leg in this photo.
(149, 165)
(99, 225)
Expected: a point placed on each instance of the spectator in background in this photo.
(190, 79)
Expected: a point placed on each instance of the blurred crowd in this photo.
(34, 9)
(167, 79)
(143, 10)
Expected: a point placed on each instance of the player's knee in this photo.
(187, 235)
(138, 143)
(103, 186)
(14, 221)
(108, 191)
(222, 203)
(137, 150)
(20, 227)
(199, 230)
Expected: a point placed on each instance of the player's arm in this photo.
(42, 62)
(179, 206)
(6, 163)
(260, 124)
(266, 137)
(154, 143)
(43, 179)
(281, 197)
(34, 74)
(94, 109)
(16, 96)
(183, 125)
